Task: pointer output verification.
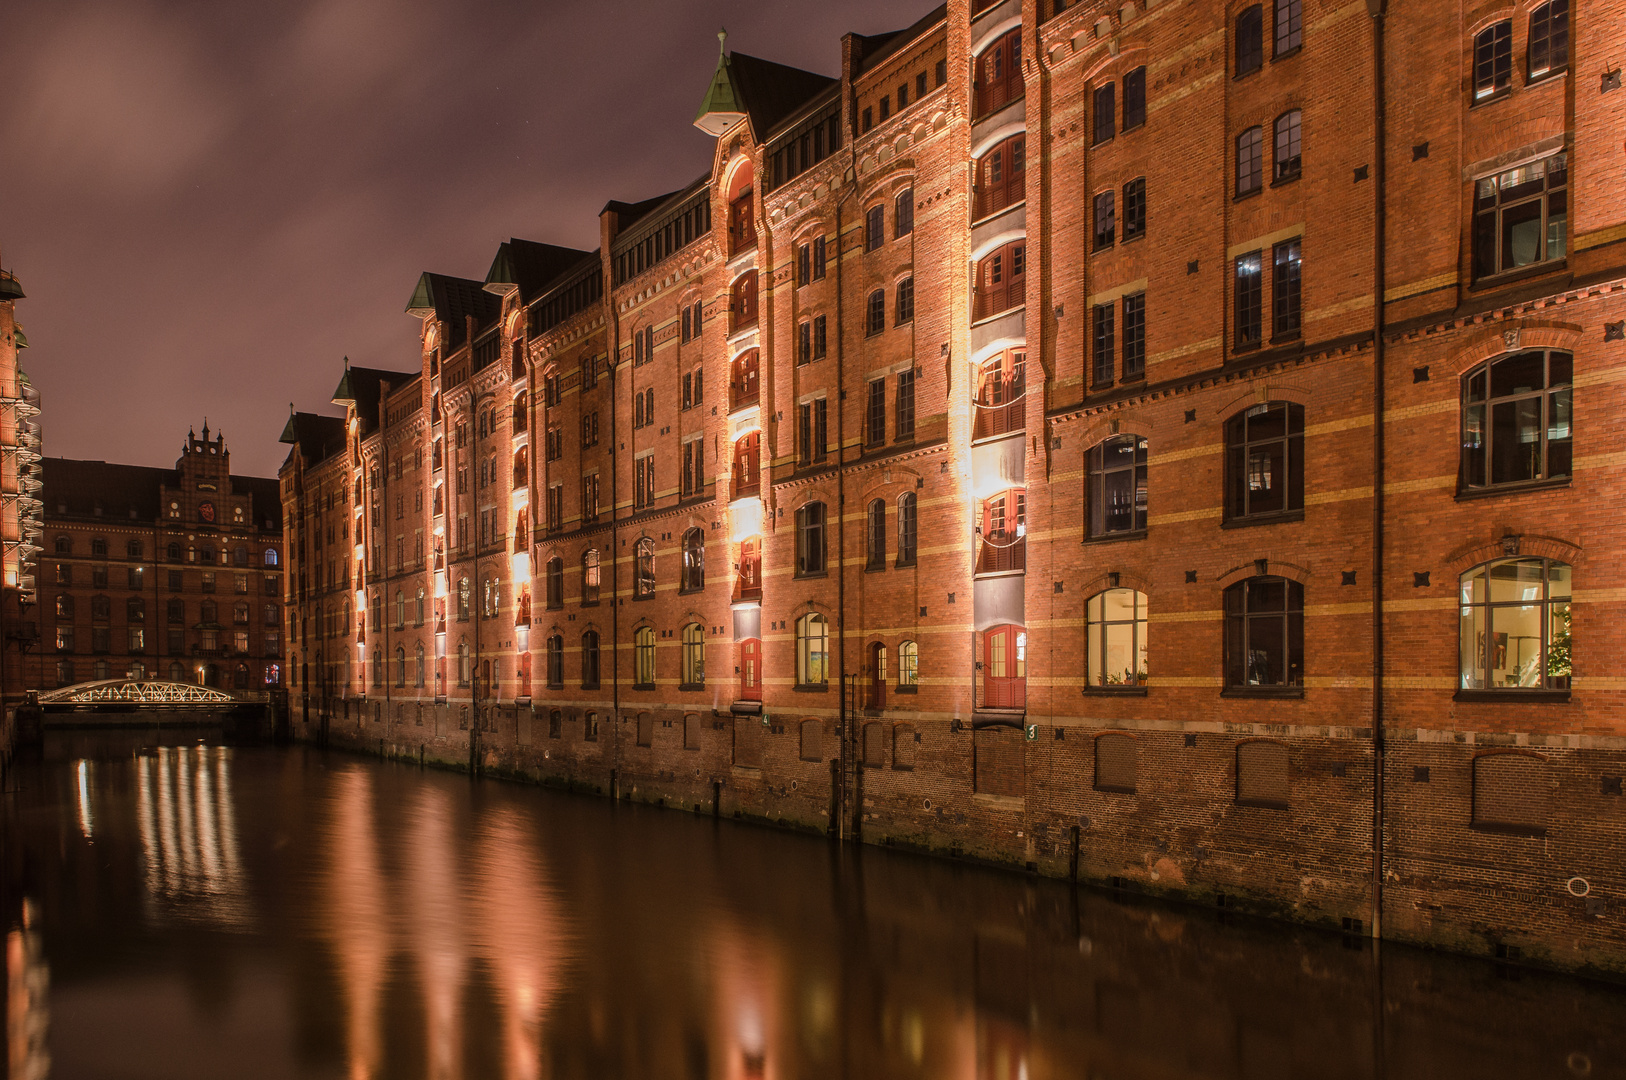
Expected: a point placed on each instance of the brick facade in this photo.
(1071, 542)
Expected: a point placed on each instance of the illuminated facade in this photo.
(20, 508)
(982, 455)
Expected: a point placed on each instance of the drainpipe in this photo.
(1379, 178)
(847, 824)
(612, 320)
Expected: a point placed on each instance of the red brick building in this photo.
(1162, 442)
(169, 574)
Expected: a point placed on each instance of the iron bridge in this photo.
(147, 693)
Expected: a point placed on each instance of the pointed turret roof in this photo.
(747, 85)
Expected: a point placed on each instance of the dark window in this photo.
(810, 539)
(906, 529)
(1106, 220)
(1516, 419)
(590, 660)
(1289, 26)
(906, 300)
(813, 431)
(1001, 280)
(1250, 40)
(886, 106)
(941, 73)
(1549, 38)
(1134, 215)
(1264, 460)
(1288, 160)
(903, 213)
(903, 96)
(874, 227)
(920, 86)
(904, 422)
(876, 535)
(1118, 485)
(1135, 99)
(1521, 216)
(644, 568)
(804, 342)
(1104, 336)
(998, 74)
(1284, 290)
(875, 414)
(1249, 160)
(556, 661)
(818, 337)
(1264, 634)
(1249, 288)
(804, 269)
(1493, 60)
(1002, 176)
(1515, 626)
(1106, 107)
(818, 258)
(556, 583)
(1134, 336)
(694, 560)
(875, 312)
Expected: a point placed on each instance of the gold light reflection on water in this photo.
(28, 983)
(461, 895)
(193, 867)
(87, 822)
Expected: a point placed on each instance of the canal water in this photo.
(176, 908)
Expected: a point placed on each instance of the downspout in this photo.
(1379, 178)
(479, 596)
(846, 825)
(612, 357)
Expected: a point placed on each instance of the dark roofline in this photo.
(897, 40)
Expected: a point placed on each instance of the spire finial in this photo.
(722, 42)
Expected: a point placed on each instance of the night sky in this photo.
(210, 204)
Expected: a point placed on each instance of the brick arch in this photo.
(900, 173)
(1117, 65)
(1127, 579)
(1514, 545)
(809, 607)
(596, 628)
(1483, 15)
(1273, 568)
(1508, 751)
(1493, 341)
(1260, 392)
(813, 494)
(1097, 429)
(809, 230)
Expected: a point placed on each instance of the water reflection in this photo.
(415, 924)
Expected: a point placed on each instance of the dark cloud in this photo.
(209, 204)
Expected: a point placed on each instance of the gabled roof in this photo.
(315, 435)
(451, 299)
(531, 266)
(748, 85)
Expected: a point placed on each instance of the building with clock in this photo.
(160, 573)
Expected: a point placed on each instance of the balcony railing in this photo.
(994, 420)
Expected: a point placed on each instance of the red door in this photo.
(1005, 668)
(748, 465)
(750, 575)
(751, 670)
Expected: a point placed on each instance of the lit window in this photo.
(812, 650)
(1515, 626)
(1115, 640)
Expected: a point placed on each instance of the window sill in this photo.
(1130, 238)
(691, 592)
(1288, 692)
(1289, 338)
(590, 686)
(1288, 55)
(812, 688)
(645, 596)
(903, 564)
(1489, 492)
(1098, 247)
(1499, 95)
(1511, 277)
(589, 603)
(1115, 789)
(556, 686)
(1546, 76)
(1249, 194)
(1284, 517)
(1507, 830)
(874, 568)
(811, 574)
(1288, 178)
(1113, 691)
(1108, 538)
(1513, 696)
(643, 686)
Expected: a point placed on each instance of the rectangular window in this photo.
(1106, 107)
(1520, 216)
(818, 258)
(1550, 38)
(804, 342)
(1105, 219)
(818, 337)
(874, 227)
(1134, 348)
(906, 301)
(1105, 343)
(590, 497)
(868, 121)
(694, 476)
(813, 430)
(1135, 99)
(1289, 26)
(920, 86)
(1493, 60)
(875, 414)
(688, 390)
(804, 264)
(1250, 147)
(643, 481)
(886, 106)
(556, 506)
(941, 74)
(875, 316)
(1134, 215)
(1248, 299)
(904, 422)
(1284, 291)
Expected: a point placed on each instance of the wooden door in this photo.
(1004, 668)
(751, 669)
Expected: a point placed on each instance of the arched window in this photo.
(909, 664)
(1549, 38)
(463, 599)
(463, 672)
(590, 576)
(999, 73)
(643, 584)
(906, 529)
(694, 654)
(1264, 461)
(694, 560)
(1001, 387)
(1001, 280)
(812, 650)
(177, 671)
(810, 552)
(875, 535)
(174, 554)
(1249, 160)
(1118, 485)
(1002, 176)
(744, 380)
(1493, 60)
(556, 582)
(64, 545)
(556, 661)
(1515, 626)
(1516, 419)
(239, 557)
(748, 578)
(1115, 638)
(742, 233)
(742, 303)
(400, 666)
(1264, 634)
(418, 669)
(522, 472)
(1288, 161)
(590, 660)
(1004, 532)
(1250, 40)
(643, 658)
